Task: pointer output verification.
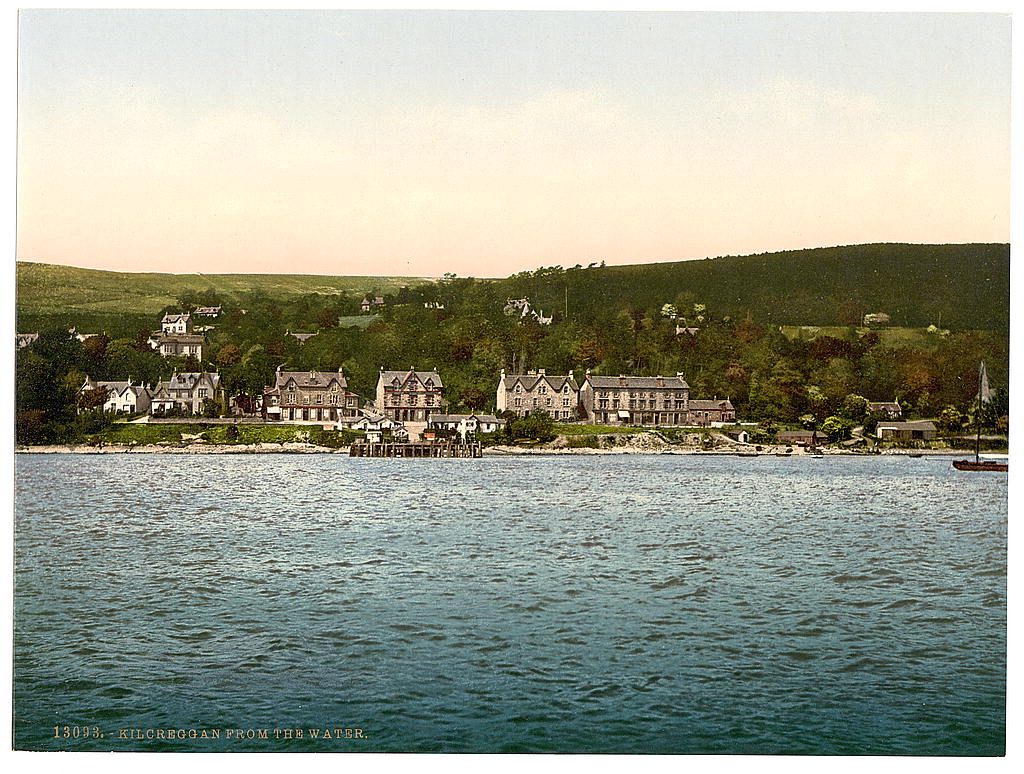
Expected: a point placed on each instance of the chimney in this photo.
(541, 371)
(570, 373)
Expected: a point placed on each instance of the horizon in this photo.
(435, 278)
(414, 143)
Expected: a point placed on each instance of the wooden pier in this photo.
(417, 450)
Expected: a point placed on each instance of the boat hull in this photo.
(999, 467)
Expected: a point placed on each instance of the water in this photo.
(626, 604)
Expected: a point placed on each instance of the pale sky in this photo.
(417, 143)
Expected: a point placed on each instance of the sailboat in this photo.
(995, 465)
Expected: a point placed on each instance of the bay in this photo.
(600, 604)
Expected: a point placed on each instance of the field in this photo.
(145, 433)
(47, 289)
(597, 429)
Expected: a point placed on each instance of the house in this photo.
(176, 324)
(559, 396)
(433, 305)
(705, 413)
(367, 304)
(207, 311)
(180, 345)
(922, 430)
(81, 336)
(310, 396)
(302, 337)
(186, 392)
(409, 396)
(689, 331)
(122, 397)
(893, 409)
(465, 423)
(876, 318)
(24, 339)
(635, 400)
(738, 435)
(800, 437)
(371, 423)
(521, 307)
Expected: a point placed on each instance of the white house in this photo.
(465, 423)
(122, 397)
(176, 324)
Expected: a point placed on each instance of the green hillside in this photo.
(959, 286)
(47, 288)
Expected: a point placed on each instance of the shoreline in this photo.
(491, 451)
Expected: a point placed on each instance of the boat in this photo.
(914, 454)
(990, 463)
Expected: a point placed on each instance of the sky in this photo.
(484, 143)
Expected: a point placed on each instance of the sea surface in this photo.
(598, 604)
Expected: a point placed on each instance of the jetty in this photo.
(416, 450)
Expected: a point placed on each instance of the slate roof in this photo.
(638, 382)
(388, 376)
(172, 318)
(530, 381)
(919, 424)
(884, 406)
(119, 388)
(310, 379)
(711, 405)
(188, 380)
(488, 418)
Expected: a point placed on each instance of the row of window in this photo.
(332, 399)
(541, 389)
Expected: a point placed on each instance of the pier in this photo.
(416, 450)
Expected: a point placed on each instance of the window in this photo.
(519, 389)
(542, 390)
(565, 402)
(536, 402)
(202, 392)
(518, 402)
(319, 397)
(547, 402)
(565, 389)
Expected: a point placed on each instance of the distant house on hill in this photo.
(892, 408)
(207, 311)
(409, 396)
(876, 318)
(25, 339)
(81, 336)
(121, 397)
(302, 337)
(173, 324)
(186, 392)
(180, 345)
(367, 303)
(559, 396)
(906, 431)
(689, 331)
(520, 307)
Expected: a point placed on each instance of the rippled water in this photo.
(642, 604)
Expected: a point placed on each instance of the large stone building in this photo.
(521, 394)
(409, 396)
(310, 396)
(180, 345)
(186, 392)
(636, 400)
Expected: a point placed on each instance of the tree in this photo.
(327, 318)
(836, 429)
(854, 408)
(951, 418)
(229, 355)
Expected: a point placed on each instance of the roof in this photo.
(920, 424)
(884, 405)
(311, 379)
(169, 318)
(302, 336)
(798, 433)
(488, 418)
(188, 380)
(119, 388)
(207, 310)
(706, 405)
(181, 338)
(640, 382)
(530, 381)
(402, 376)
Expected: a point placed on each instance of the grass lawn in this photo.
(125, 433)
(597, 429)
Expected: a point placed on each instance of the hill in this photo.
(961, 286)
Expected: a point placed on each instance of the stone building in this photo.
(409, 396)
(704, 413)
(559, 396)
(310, 396)
(635, 400)
(186, 392)
(180, 345)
